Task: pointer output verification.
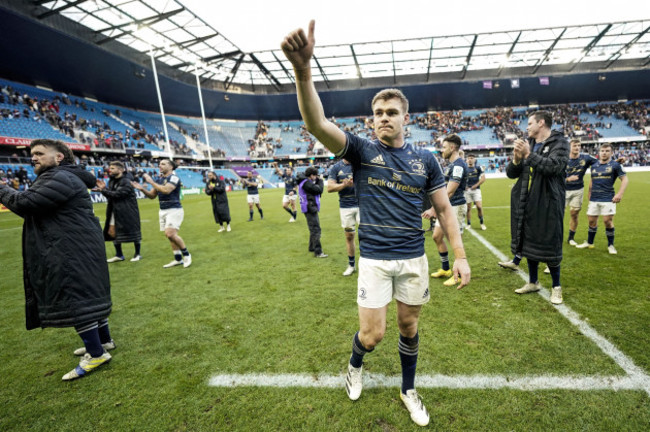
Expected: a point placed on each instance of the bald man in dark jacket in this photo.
(64, 259)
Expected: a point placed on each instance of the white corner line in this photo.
(634, 372)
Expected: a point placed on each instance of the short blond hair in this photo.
(391, 93)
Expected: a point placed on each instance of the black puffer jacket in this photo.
(123, 205)
(64, 258)
(537, 210)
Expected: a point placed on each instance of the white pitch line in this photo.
(525, 383)
(635, 373)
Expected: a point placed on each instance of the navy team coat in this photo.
(537, 201)
(64, 259)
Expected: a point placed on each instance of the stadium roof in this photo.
(181, 38)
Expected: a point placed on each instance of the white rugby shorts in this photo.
(288, 198)
(574, 199)
(254, 199)
(171, 218)
(473, 195)
(349, 218)
(597, 208)
(382, 280)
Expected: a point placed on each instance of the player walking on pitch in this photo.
(392, 180)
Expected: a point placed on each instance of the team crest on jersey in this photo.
(379, 160)
(582, 163)
(341, 173)
(362, 293)
(608, 170)
(417, 166)
(397, 177)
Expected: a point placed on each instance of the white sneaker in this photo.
(115, 259)
(107, 347)
(415, 406)
(86, 365)
(353, 382)
(228, 229)
(173, 264)
(556, 295)
(292, 219)
(222, 229)
(136, 258)
(528, 288)
(573, 243)
(509, 265)
(483, 227)
(348, 271)
(187, 261)
(612, 250)
(585, 245)
(468, 226)
(547, 270)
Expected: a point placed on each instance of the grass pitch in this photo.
(255, 301)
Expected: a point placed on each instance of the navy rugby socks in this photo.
(408, 355)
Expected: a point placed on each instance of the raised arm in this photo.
(299, 48)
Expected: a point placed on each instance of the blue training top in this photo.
(347, 196)
(252, 190)
(578, 166)
(457, 171)
(391, 184)
(474, 175)
(172, 199)
(290, 183)
(603, 176)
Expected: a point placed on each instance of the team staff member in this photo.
(122, 213)
(310, 188)
(216, 189)
(537, 200)
(391, 178)
(168, 191)
(340, 180)
(290, 186)
(602, 197)
(475, 178)
(456, 178)
(64, 258)
(253, 195)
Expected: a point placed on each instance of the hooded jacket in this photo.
(64, 259)
(537, 201)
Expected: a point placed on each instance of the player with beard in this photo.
(456, 178)
(168, 190)
(122, 213)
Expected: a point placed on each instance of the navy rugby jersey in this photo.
(173, 199)
(290, 183)
(603, 176)
(457, 171)
(578, 166)
(339, 172)
(252, 190)
(474, 175)
(391, 184)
